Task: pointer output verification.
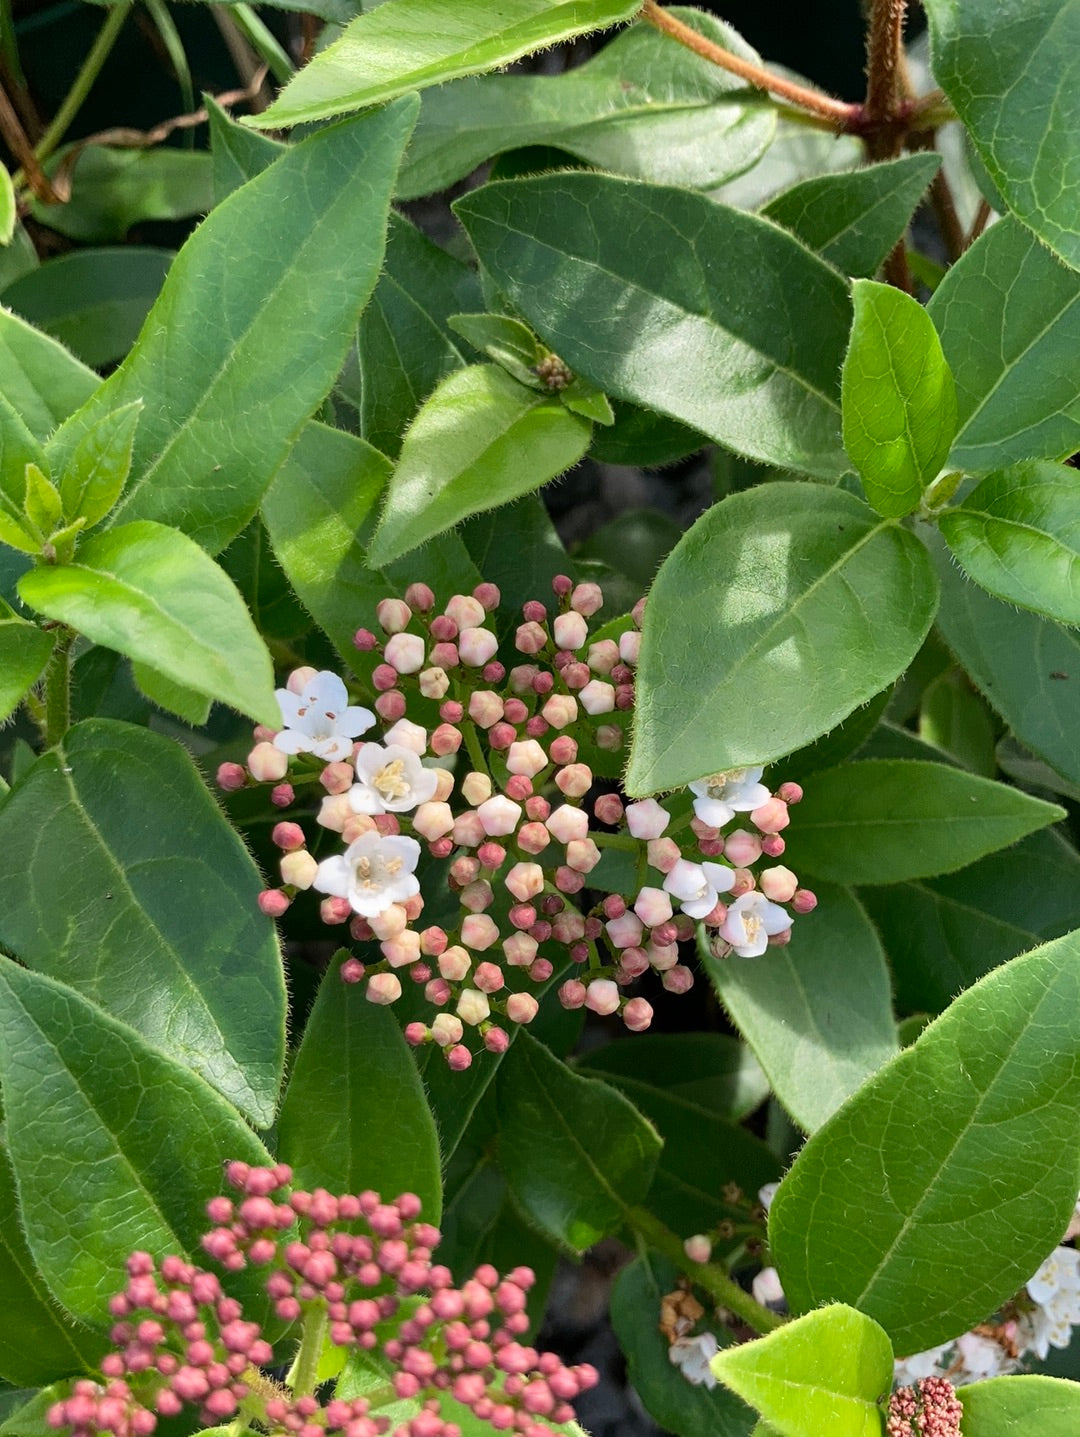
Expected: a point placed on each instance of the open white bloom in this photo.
(692, 1355)
(319, 719)
(751, 921)
(698, 886)
(372, 873)
(392, 780)
(1055, 1289)
(722, 795)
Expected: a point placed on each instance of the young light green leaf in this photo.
(583, 398)
(113, 189)
(1008, 313)
(782, 610)
(481, 440)
(9, 210)
(899, 401)
(598, 1153)
(411, 44)
(19, 451)
(641, 107)
(818, 1013)
(887, 821)
(104, 845)
(826, 1372)
(43, 383)
(95, 1119)
(375, 1130)
(854, 220)
(649, 331)
(24, 652)
(927, 1226)
(98, 468)
(211, 347)
(1010, 70)
(1018, 535)
(174, 698)
(151, 593)
(1001, 1406)
(507, 341)
(43, 507)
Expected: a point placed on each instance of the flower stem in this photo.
(57, 715)
(304, 1374)
(707, 1275)
(472, 744)
(839, 112)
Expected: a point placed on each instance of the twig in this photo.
(16, 141)
(884, 47)
(979, 223)
(896, 269)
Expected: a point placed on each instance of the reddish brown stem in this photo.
(884, 51)
(16, 141)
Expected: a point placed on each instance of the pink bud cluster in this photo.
(486, 767)
(363, 1264)
(929, 1409)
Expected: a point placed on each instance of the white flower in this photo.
(372, 873)
(319, 719)
(698, 886)
(766, 1194)
(766, 1288)
(1055, 1289)
(931, 1363)
(392, 780)
(692, 1355)
(751, 921)
(722, 795)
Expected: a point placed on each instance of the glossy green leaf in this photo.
(836, 745)
(113, 189)
(1010, 71)
(1018, 535)
(826, 1372)
(797, 153)
(854, 220)
(9, 210)
(43, 506)
(95, 300)
(1008, 313)
(24, 652)
(679, 1406)
(97, 1122)
(481, 440)
(642, 107)
(238, 153)
(927, 1226)
(644, 438)
(99, 465)
(781, 611)
(17, 258)
(1027, 667)
(151, 593)
(899, 401)
(596, 1157)
(955, 719)
(174, 698)
(818, 1013)
(43, 383)
(657, 323)
(507, 341)
(1002, 1406)
(886, 821)
(223, 403)
(375, 1129)
(712, 1069)
(411, 44)
(126, 882)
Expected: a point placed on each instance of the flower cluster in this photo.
(494, 773)
(929, 1409)
(357, 1267)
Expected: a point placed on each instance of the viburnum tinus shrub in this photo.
(400, 966)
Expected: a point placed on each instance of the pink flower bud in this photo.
(560, 710)
(468, 830)
(299, 869)
(526, 757)
(405, 653)
(393, 615)
(446, 1029)
(282, 795)
(434, 683)
(597, 697)
(356, 825)
(646, 819)
(445, 740)
(697, 1248)
(537, 807)
(568, 822)
(415, 1034)
(485, 708)
(473, 1007)
(390, 922)
(602, 996)
(742, 848)
(491, 855)
(300, 678)
(587, 599)
(338, 777)
(477, 896)
(572, 994)
(364, 640)
(637, 613)
(444, 784)
(569, 880)
(678, 979)
(383, 988)
(267, 764)
(458, 1060)
(521, 1007)
(476, 788)
(390, 705)
(603, 656)
(420, 597)
(608, 808)
(519, 950)
(804, 901)
(501, 736)
(662, 956)
(479, 932)
(444, 656)
(383, 677)
(454, 964)
(499, 816)
(433, 941)
(772, 816)
(477, 647)
(289, 836)
(488, 977)
(570, 630)
(772, 845)
(273, 902)
(778, 884)
(653, 907)
(575, 780)
(540, 970)
(576, 676)
(582, 855)
(630, 647)
(662, 854)
(563, 749)
(521, 678)
(525, 881)
(530, 639)
(625, 931)
(790, 793)
(633, 962)
(399, 952)
(231, 776)
(609, 737)
(464, 870)
(465, 611)
(533, 838)
(488, 595)
(543, 684)
(437, 992)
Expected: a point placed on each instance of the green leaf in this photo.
(886, 821)
(818, 1013)
(95, 300)
(797, 153)
(1008, 313)
(481, 440)
(411, 44)
(677, 1405)
(19, 257)
(212, 347)
(100, 464)
(113, 189)
(126, 882)
(899, 401)
(96, 1121)
(1010, 72)
(781, 611)
(854, 220)
(642, 107)
(1027, 667)
(596, 1157)
(19, 453)
(509, 342)
(712, 1069)
(375, 1129)
(643, 438)
(151, 593)
(43, 383)
(1005, 1405)
(238, 153)
(927, 1226)
(518, 548)
(24, 652)
(43, 506)
(9, 210)
(647, 321)
(1018, 535)
(825, 1372)
(958, 722)
(174, 698)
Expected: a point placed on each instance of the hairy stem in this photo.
(884, 52)
(838, 112)
(57, 686)
(303, 1377)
